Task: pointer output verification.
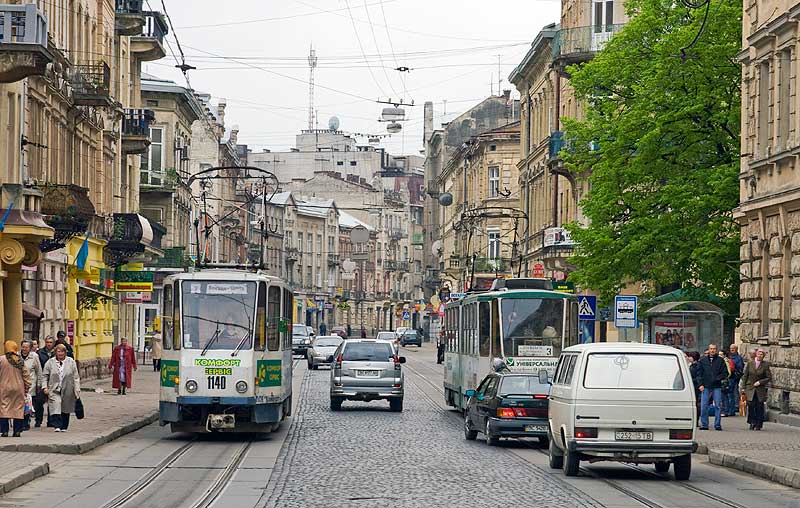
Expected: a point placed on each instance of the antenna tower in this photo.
(312, 63)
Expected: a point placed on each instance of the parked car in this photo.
(624, 402)
(320, 349)
(410, 337)
(301, 338)
(391, 337)
(508, 404)
(341, 331)
(366, 369)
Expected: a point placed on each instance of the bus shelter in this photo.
(687, 325)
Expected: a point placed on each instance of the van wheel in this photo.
(556, 458)
(336, 404)
(662, 466)
(396, 405)
(469, 433)
(572, 463)
(491, 439)
(683, 467)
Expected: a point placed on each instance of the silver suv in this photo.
(366, 370)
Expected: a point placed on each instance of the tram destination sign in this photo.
(133, 281)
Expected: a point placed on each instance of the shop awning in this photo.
(100, 294)
(31, 312)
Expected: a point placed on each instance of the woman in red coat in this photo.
(123, 363)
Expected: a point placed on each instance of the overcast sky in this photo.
(254, 54)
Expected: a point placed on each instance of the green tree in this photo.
(659, 147)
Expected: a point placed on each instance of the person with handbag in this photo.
(34, 366)
(15, 381)
(61, 383)
(755, 379)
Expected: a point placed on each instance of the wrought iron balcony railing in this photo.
(574, 45)
(91, 84)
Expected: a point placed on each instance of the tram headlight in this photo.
(241, 386)
(191, 386)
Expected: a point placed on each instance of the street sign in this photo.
(406, 315)
(538, 271)
(456, 296)
(587, 307)
(134, 281)
(360, 256)
(564, 287)
(625, 313)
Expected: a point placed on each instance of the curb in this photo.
(85, 446)
(22, 476)
(778, 474)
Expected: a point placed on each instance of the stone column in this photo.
(12, 253)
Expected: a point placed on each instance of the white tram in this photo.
(520, 321)
(227, 361)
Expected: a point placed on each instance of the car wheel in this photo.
(572, 463)
(396, 405)
(336, 404)
(555, 457)
(662, 466)
(469, 433)
(683, 467)
(310, 365)
(491, 439)
(314, 366)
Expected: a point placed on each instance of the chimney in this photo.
(234, 134)
(221, 111)
(428, 124)
(507, 94)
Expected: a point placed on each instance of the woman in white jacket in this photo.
(62, 385)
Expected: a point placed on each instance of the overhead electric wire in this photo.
(377, 48)
(358, 38)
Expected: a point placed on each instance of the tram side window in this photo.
(273, 315)
(166, 321)
(176, 320)
(288, 307)
(261, 317)
(484, 325)
(572, 324)
(495, 329)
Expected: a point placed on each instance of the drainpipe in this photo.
(557, 125)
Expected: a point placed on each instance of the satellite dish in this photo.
(394, 128)
(445, 199)
(333, 123)
(436, 248)
(348, 265)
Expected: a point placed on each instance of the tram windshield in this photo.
(532, 326)
(218, 314)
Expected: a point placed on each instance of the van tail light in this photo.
(337, 362)
(396, 362)
(585, 432)
(505, 412)
(683, 434)
(540, 396)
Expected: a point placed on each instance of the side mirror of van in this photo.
(329, 359)
(543, 378)
(402, 359)
(470, 393)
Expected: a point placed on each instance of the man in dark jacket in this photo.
(61, 338)
(713, 372)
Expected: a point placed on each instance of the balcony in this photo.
(555, 144)
(136, 130)
(132, 235)
(149, 44)
(333, 260)
(397, 234)
(292, 255)
(68, 209)
(91, 85)
(390, 265)
(174, 257)
(128, 17)
(454, 262)
(23, 42)
(418, 239)
(403, 266)
(576, 45)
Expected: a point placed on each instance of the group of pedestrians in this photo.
(720, 379)
(29, 377)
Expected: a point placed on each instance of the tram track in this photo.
(641, 498)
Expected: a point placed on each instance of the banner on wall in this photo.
(680, 334)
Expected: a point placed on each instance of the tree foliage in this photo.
(659, 146)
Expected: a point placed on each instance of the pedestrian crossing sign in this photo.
(587, 307)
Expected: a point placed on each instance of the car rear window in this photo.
(385, 336)
(522, 385)
(368, 352)
(633, 371)
(327, 341)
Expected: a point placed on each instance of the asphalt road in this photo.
(367, 456)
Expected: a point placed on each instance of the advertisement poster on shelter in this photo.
(680, 334)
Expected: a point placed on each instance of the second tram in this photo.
(227, 359)
(526, 328)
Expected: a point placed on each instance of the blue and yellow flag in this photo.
(83, 253)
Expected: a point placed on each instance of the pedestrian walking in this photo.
(363, 333)
(31, 361)
(736, 376)
(122, 364)
(713, 373)
(755, 378)
(45, 353)
(323, 328)
(349, 330)
(726, 387)
(157, 349)
(440, 348)
(61, 383)
(15, 381)
(693, 357)
(61, 338)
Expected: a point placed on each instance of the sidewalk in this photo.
(108, 416)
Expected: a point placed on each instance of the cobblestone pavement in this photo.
(366, 455)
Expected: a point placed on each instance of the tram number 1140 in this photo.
(216, 382)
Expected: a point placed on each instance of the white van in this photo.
(622, 402)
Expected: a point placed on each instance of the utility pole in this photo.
(312, 63)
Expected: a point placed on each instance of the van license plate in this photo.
(367, 373)
(536, 428)
(626, 435)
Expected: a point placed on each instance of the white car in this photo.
(622, 402)
(391, 337)
(320, 349)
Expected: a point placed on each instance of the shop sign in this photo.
(134, 281)
(71, 332)
(538, 271)
(269, 373)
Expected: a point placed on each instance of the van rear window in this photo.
(633, 371)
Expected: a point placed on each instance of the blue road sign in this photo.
(587, 307)
(625, 311)
(406, 315)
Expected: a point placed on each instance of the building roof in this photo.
(347, 221)
(315, 207)
(546, 33)
(154, 84)
(281, 198)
